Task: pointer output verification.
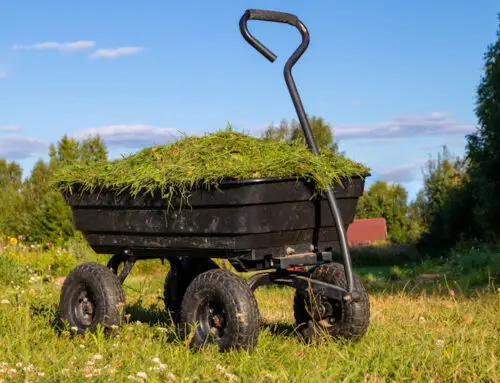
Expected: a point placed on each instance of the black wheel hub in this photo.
(84, 308)
(323, 310)
(212, 320)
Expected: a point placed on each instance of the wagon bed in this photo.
(253, 218)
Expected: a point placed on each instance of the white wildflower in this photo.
(227, 374)
(4, 302)
(29, 368)
(141, 374)
(97, 357)
(172, 377)
(156, 360)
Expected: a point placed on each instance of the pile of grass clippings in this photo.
(203, 162)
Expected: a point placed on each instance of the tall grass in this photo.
(422, 338)
(441, 330)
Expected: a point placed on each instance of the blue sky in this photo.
(396, 80)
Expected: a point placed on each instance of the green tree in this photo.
(483, 147)
(12, 212)
(287, 132)
(11, 217)
(93, 149)
(66, 151)
(10, 173)
(441, 177)
(50, 217)
(444, 204)
(34, 208)
(389, 201)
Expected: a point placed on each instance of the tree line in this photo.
(32, 207)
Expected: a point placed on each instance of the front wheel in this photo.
(336, 318)
(92, 295)
(220, 308)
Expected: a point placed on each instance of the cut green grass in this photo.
(204, 162)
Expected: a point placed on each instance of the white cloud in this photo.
(63, 47)
(132, 136)
(9, 128)
(116, 52)
(19, 148)
(404, 126)
(355, 102)
(382, 140)
(404, 172)
(3, 74)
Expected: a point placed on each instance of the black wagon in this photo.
(274, 226)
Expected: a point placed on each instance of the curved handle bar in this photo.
(279, 17)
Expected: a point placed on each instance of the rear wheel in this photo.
(91, 295)
(177, 281)
(220, 308)
(317, 314)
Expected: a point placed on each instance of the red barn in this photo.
(366, 231)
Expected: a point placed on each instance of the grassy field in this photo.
(418, 335)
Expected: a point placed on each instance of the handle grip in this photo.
(279, 17)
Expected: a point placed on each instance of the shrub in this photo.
(382, 254)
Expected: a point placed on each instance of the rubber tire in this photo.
(175, 285)
(238, 301)
(105, 289)
(254, 282)
(355, 316)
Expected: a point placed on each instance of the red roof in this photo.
(366, 231)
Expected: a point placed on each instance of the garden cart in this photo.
(275, 227)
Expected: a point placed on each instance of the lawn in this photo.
(413, 336)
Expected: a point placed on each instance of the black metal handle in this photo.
(256, 14)
(278, 17)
